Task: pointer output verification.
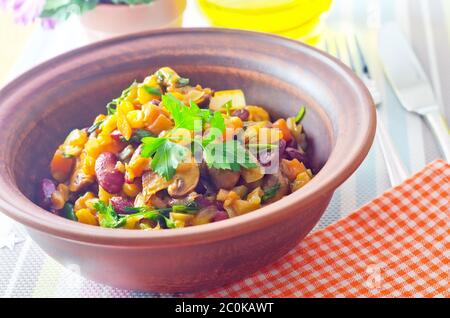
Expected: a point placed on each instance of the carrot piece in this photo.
(123, 126)
(85, 216)
(282, 125)
(151, 112)
(292, 168)
(161, 123)
(61, 166)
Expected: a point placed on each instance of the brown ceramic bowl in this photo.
(39, 108)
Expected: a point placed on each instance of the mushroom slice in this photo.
(185, 180)
(224, 179)
(193, 95)
(152, 183)
(79, 180)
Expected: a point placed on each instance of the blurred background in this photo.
(325, 24)
(423, 22)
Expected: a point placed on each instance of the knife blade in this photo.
(410, 82)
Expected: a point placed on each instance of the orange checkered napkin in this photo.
(395, 246)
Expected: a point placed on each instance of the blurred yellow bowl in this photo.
(298, 19)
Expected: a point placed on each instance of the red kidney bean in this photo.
(220, 216)
(120, 204)
(202, 201)
(155, 102)
(116, 135)
(109, 178)
(281, 146)
(46, 188)
(292, 143)
(241, 113)
(204, 103)
(293, 153)
(219, 205)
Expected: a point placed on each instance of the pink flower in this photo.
(25, 11)
(48, 23)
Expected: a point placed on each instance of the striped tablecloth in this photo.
(26, 271)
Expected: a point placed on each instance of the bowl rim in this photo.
(257, 220)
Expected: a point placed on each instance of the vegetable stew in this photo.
(167, 154)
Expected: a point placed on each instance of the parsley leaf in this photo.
(151, 214)
(204, 114)
(270, 192)
(300, 115)
(167, 157)
(191, 117)
(229, 155)
(151, 145)
(217, 121)
(109, 217)
(166, 154)
(182, 115)
(217, 127)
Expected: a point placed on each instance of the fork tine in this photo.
(338, 50)
(365, 67)
(350, 56)
(327, 46)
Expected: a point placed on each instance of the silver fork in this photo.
(397, 171)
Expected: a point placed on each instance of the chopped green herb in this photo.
(164, 77)
(169, 223)
(94, 127)
(227, 107)
(181, 81)
(109, 217)
(67, 155)
(190, 207)
(153, 90)
(111, 107)
(139, 134)
(69, 213)
(270, 192)
(300, 115)
(150, 214)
